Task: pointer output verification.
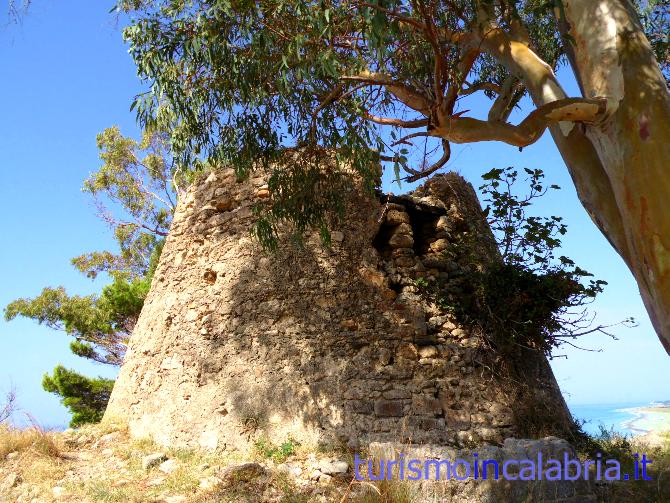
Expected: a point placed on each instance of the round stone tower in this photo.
(324, 344)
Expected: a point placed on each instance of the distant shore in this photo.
(649, 421)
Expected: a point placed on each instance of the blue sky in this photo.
(67, 76)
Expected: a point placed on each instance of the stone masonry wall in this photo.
(320, 344)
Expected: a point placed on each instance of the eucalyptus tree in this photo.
(248, 83)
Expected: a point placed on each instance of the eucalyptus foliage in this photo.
(245, 83)
(134, 192)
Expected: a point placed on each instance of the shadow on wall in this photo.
(338, 345)
(323, 345)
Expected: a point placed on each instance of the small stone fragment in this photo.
(246, 472)
(110, 437)
(152, 460)
(291, 470)
(168, 466)
(156, 481)
(332, 467)
(209, 483)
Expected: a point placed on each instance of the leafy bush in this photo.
(278, 453)
(531, 298)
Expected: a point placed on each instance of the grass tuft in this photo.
(33, 439)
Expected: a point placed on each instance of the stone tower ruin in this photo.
(323, 344)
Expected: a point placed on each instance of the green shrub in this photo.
(278, 453)
(531, 298)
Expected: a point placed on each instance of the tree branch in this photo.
(482, 86)
(508, 95)
(468, 130)
(386, 121)
(411, 97)
(405, 139)
(446, 155)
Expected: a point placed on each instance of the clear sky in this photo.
(67, 76)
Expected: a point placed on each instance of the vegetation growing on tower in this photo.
(530, 298)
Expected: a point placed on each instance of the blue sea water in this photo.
(613, 416)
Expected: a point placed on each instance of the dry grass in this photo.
(656, 490)
(89, 467)
(384, 491)
(32, 440)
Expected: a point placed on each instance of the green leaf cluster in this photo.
(85, 397)
(532, 295)
(532, 298)
(135, 194)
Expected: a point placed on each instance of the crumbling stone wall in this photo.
(321, 344)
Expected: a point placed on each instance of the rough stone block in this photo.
(401, 241)
(388, 408)
(426, 405)
(395, 217)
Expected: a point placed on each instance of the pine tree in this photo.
(134, 196)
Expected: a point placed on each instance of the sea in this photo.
(612, 417)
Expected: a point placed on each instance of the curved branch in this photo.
(469, 130)
(446, 155)
(508, 95)
(386, 121)
(411, 97)
(482, 86)
(409, 137)
(468, 58)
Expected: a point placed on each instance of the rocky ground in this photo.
(103, 464)
(95, 464)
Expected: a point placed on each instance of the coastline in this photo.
(648, 421)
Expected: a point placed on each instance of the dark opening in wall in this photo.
(381, 240)
(424, 228)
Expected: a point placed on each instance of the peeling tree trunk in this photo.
(613, 59)
(618, 165)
